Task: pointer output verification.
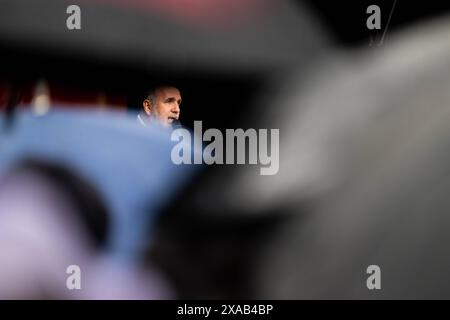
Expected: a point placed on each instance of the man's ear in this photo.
(147, 106)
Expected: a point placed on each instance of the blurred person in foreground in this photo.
(369, 151)
(53, 210)
(162, 105)
(51, 219)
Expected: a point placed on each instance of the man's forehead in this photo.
(168, 91)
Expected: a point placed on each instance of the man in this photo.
(162, 103)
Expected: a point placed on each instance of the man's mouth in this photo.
(172, 119)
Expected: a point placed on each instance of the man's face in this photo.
(166, 107)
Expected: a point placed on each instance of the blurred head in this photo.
(50, 219)
(163, 104)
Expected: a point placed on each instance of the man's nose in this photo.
(176, 108)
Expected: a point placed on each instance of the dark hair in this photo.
(90, 207)
(151, 95)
